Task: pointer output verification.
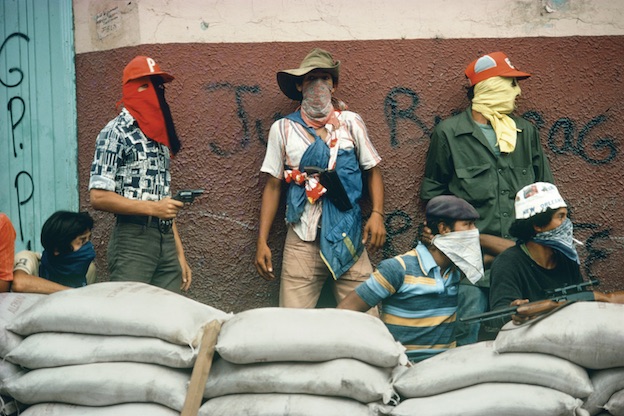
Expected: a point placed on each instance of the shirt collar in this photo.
(427, 262)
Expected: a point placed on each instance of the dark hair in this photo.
(470, 93)
(524, 230)
(62, 228)
(432, 223)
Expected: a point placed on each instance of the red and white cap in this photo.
(495, 64)
(143, 66)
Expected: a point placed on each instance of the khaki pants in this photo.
(304, 273)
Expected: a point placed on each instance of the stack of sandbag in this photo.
(105, 345)
(11, 305)
(302, 362)
(590, 334)
(475, 380)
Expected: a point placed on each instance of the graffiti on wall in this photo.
(401, 106)
(15, 112)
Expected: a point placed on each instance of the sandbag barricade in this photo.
(478, 363)
(590, 334)
(494, 399)
(606, 383)
(615, 405)
(55, 349)
(102, 384)
(119, 308)
(309, 361)
(287, 334)
(343, 377)
(127, 409)
(11, 305)
(282, 404)
(126, 342)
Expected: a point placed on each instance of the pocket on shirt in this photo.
(476, 184)
(520, 178)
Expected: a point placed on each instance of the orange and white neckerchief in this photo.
(313, 188)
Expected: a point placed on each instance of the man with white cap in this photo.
(544, 257)
(325, 238)
(485, 155)
(418, 289)
(130, 177)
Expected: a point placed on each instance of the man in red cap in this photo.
(485, 155)
(130, 177)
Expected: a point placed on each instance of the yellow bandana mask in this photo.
(495, 98)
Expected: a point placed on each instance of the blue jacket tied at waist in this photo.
(341, 231)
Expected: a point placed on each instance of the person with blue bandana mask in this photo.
(544, 257)
(67, 258)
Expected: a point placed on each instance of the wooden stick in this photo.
(201, 369)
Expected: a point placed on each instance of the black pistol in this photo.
(188, 195)
(335, 190)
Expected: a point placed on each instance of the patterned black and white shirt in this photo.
(129, 163)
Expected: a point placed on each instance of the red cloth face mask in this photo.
(150, 110)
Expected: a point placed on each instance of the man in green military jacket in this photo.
(485, 156)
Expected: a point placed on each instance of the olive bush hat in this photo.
(316, 59)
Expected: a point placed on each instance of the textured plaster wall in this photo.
(225, 97)
(109, 24)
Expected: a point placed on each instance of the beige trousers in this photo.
(304, 273)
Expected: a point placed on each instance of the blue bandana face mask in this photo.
(560, 238)
(68, 269)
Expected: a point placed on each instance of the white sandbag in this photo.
(56, 349)
(615, 405)
(283, 405)
(494, 399)
(120, 308)
(102, 384)
(288, 334)
(11, 305)
(589, 334)
(606, 382)
(128, 409)
(7, 371)
(342, 377)
(478, 363)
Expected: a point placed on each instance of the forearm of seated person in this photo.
(26, 283)
(494, 245)
(354, 302)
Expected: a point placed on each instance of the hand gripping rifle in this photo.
(556, 298)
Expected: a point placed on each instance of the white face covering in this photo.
(464, 250)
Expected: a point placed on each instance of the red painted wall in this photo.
(225, 97)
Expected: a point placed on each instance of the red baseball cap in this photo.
(143, 66)
(495, 64)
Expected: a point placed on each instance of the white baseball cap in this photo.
(537, 198)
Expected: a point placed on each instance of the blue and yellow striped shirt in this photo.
(419, 303)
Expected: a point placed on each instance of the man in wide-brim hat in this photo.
(325, 236)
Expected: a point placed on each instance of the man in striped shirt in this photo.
(418, 290)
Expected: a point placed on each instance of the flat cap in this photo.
(450, 206)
